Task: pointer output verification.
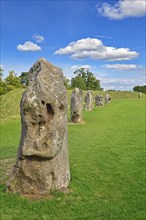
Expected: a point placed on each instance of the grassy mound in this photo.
(107, 168)
(10, 103)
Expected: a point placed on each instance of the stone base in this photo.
(34, 176)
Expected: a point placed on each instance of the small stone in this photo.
(42, 162)
(76, 106)
(139, 95)
(88, 101)
(107, 98)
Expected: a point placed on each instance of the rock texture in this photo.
(88, 101)
(99, 100)
(42, 162)
(139, 95)
(76, 106)
(107, 98)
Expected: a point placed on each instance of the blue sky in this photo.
(107, 36)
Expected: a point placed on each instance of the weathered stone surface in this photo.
(99, 100)
(139, 95)
(42, 162)
(107, 98)
(88, 101)
(76, 105)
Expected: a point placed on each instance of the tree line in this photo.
(12, 81)
(140, 89)
(84, 79)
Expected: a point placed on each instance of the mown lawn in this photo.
(107, 165)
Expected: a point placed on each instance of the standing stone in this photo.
(139, 95)
(107, 98)
(42, 162)
(88, 101)
(76, 106)
(99, 100)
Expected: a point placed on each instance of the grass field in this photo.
(107, 165)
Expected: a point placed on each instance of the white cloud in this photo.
(107, 80)
(38, 38)
(28, 46)
(69, 70)
(86, 66)
(75, 67)
(121, 66)
(104, 36)
(2, 66)
(94, 49)
(121, 84)
(144, 72)
(123, 9)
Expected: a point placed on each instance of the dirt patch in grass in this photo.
(72, 123)
(50, 196)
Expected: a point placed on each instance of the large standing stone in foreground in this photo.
(88, 101)
(42, 163)
(76, 106)
(99, 100)
(107, 98)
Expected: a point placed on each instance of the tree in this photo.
(66, 82)
(78, 82)
(24, 78)
(92, 83)
(13, 80)
(3, 85)
(140, 89)
(1, 73)
(85, 80)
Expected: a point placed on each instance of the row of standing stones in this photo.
(42, 163)
(76, 106)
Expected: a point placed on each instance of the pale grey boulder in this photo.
(76, 108)
(99, 100)
(107, 98)
(139, 95)
(42, 162)
(88, 101)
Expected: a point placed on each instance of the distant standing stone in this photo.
(107, 98)
(88, 101)
(139, 95)
(76, 105)
(42, 162)
(99, 100)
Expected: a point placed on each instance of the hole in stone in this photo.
(53, 175)
(42, 123)
(50, 109)
(61, 107)
(43, 103)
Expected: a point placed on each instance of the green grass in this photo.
(10, 104)
(10, 133)
(107, 168)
